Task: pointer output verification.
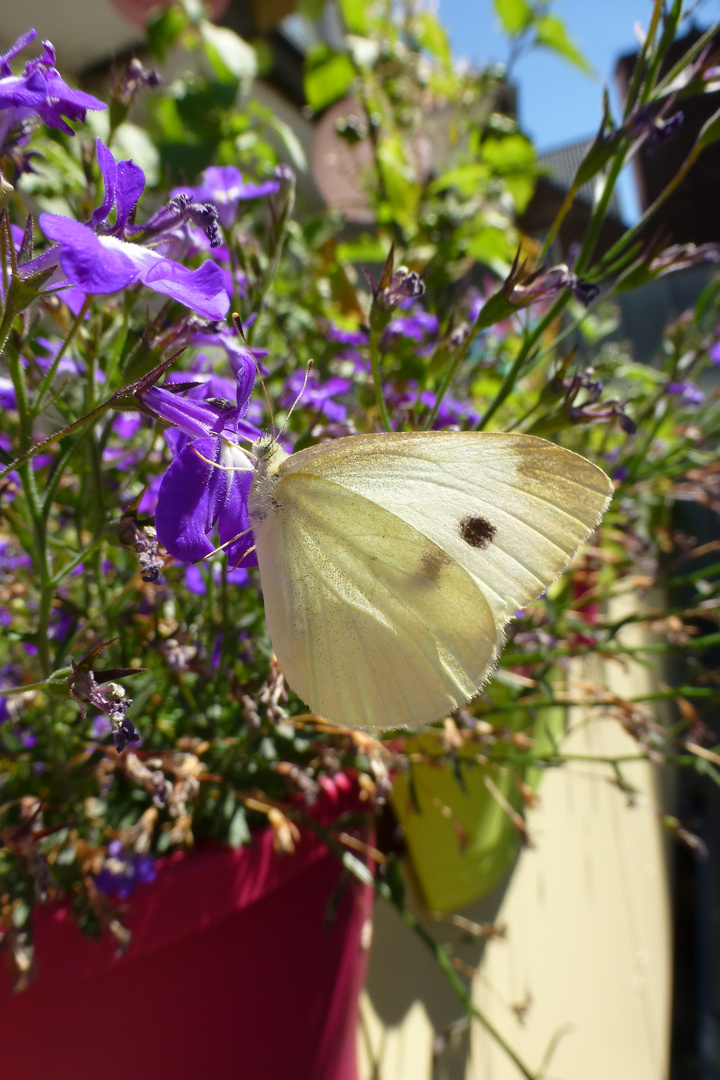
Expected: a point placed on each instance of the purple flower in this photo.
(97, 258)
(238, 353)
(109, 699)
(345, 337)
(317, 396)
(224, 187)
(416, 326)
(101, 726)
(7, 393)
(658, 129)
(688, 392)
(451, 413)
(39, 91)
(207, 485)
(395, 289)
(715, 352)
(546, 283)
(195, 582)
(123, 870)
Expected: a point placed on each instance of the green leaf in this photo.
(328, 76)
(290, 141)
(21, 914)
(238, 833)
(401, 189)
(163, 32)
(310, 9)
(131, 141)
(710, 130)
(432, 36)
(358, 868)
(493, 247)
(467, 179)
(550, 31)
(514, 15)
(521, 188)
(228, 54)
(395, 880)
(496, 308)
(355, 16)
(368, 249)
(509, 154)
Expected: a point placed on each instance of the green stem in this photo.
(377, 380)
(47, 443)
(444, 962)
(47, 380)
(521, 360)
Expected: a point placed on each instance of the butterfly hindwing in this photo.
(373, 625)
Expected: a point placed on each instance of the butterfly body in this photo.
(391, 563)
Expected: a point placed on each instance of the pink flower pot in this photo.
(236, 969)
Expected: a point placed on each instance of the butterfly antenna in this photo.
(232, 540)
(237, 323)
(302, 391)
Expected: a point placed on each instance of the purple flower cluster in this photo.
(317, 395)
(123, 871)
(415, 326)
(98, 257)
(409, 403)
(687, 392)
(38, 92)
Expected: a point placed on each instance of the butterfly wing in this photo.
(373, 625)
(391, 562)
(512, 510)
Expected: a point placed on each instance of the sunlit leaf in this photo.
(328, 76)
(433, 37)
(514, 15)
(550, 31)
(228, 53)
(355, 16)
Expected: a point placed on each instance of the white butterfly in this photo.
(390, 563)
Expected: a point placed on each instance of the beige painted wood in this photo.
(582, 981)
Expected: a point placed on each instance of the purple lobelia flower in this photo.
(687, 391)
(98, 258)
(207, 485)
(123, 870)
(658, 129)
(316, 395)
(224, 187)
(333, 332)
(39, 91)
(416, 326)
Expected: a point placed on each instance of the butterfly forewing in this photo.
(373, 624)
(510, 509)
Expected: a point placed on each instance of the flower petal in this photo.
(194, 493)
(86, 260)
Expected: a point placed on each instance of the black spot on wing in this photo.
(477, 532)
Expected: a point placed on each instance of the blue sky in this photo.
(557, 103)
